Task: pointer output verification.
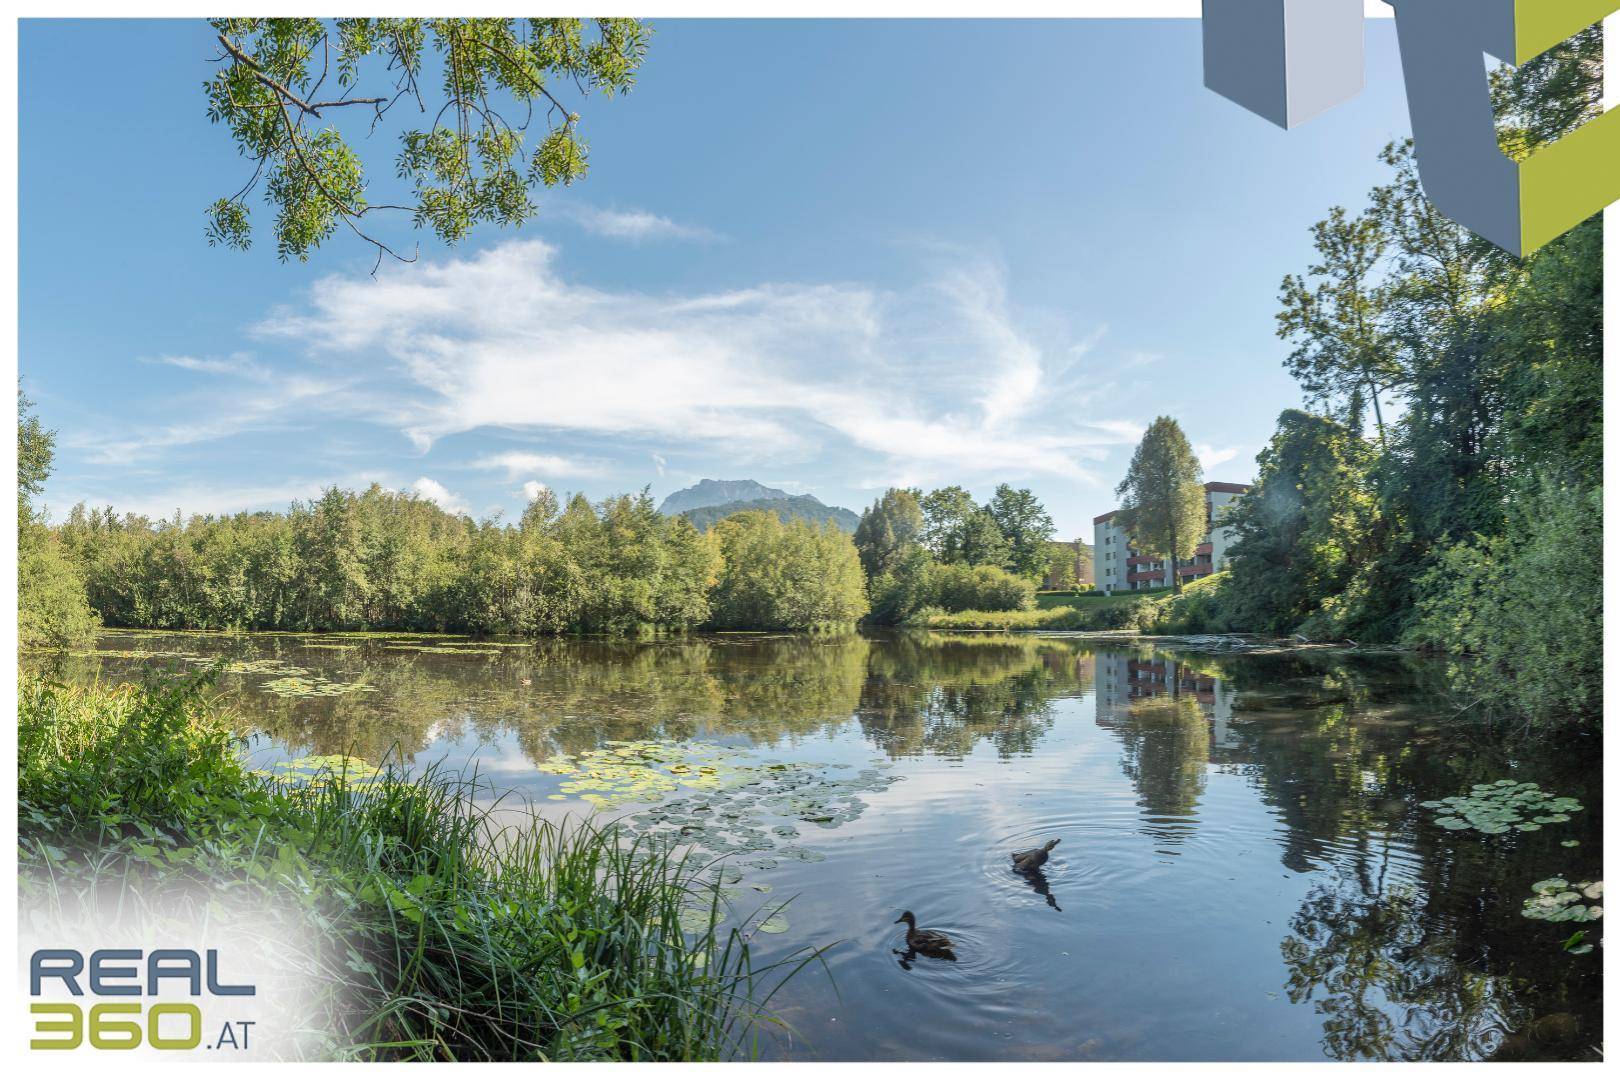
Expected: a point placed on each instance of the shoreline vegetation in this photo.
(434, 925)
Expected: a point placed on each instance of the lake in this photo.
(1246, 870)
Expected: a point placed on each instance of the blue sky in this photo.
(829, 256)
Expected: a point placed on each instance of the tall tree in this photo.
(1027, 528)
(1162, 497)
(946, 514)
(279, 78)
(890, 526)
(1333, 316)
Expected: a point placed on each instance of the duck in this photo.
(926, 942)
(1034, 858)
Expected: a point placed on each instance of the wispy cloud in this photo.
(516, 463)
(237, 364)
(633, 225)
(939, 381)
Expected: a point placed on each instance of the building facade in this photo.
(1119, 567)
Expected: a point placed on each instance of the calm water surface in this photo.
(1245, 871)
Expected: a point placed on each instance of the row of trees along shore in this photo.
(388, 560)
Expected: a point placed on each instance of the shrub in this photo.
(1528, 605)
(981, 588)
(52, 609)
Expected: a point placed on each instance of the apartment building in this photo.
(1121, 568)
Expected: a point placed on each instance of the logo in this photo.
(1291, 60)
(173, 985)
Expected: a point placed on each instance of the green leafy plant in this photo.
(279, 77)
(1503, 805)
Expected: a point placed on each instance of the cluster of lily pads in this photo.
(315, 686)
(726, 804)
(1503, 805)
(1556, 900)
(736, 818)
(318, 770)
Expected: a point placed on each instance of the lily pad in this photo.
(776, 924)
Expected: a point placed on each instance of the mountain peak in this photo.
(717, 493)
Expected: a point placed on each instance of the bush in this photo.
(981, 588)
(1529, 606)
(53, 611)
(437, 929)
(1204, 607)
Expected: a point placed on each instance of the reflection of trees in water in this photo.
(1411, 944)
(910, 693)
(942, 695)
(1385, 980)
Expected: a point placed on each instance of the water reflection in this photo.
(1257, 812)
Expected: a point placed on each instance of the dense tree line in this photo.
(382, 559)
(1468, 519)
(943, 551)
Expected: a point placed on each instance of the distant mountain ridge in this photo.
(707, 501)
(717, 493)
(801, 507)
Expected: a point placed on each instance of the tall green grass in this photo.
(440, 924)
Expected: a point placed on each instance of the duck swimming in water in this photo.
(1034, 858)
(927, 942)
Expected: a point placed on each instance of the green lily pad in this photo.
(776, 924)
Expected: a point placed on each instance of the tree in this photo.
(1306, 529)
(1026, 527)
(946, 514)
(1062, 559)
(278, 77)
(1162, 497)
(890, 526)
(785, 575)
(1332, 313)
(52, 608)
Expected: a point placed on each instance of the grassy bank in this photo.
(434, 931)
(1055, 611)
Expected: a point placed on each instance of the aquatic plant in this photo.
(440, 925)
(1556, 900)
(1497, 807)
(306, 685)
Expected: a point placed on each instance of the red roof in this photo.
(1100, 518)
(1234, 489)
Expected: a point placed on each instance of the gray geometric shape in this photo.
(1285, 60)
(1465, 174)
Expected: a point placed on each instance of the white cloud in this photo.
(435, 492)
(659, 463)
(1210, 456)
(516, 463)
(633, 225)
(532, 490)
(938, 382)
(239, 364)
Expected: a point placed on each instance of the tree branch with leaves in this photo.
(282, 83)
